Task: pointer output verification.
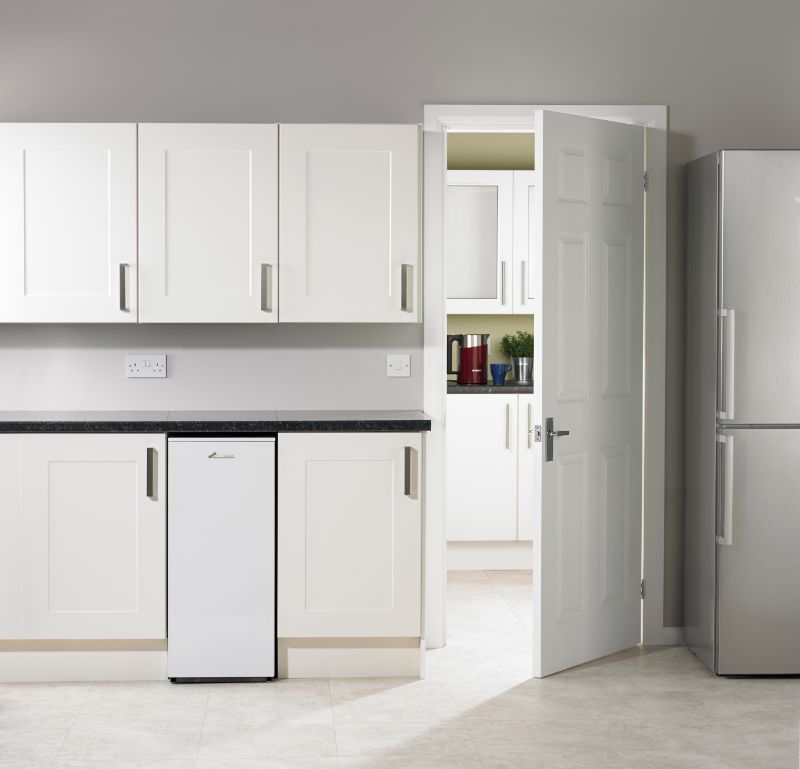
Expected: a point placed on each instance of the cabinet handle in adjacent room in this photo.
(502, 283)
(727, 332)
(508, 425)
(407, 288)
(152, 473)
(410, 476)
(523, 293)
(123, 288)
(266, 287)
(725, 490)
(530, 426)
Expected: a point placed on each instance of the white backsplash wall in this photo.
(291, 366)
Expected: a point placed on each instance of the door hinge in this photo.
(644, 181)
(641, 589)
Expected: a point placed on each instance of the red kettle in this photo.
(473, 353)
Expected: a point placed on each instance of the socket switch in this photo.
(146, 366)
(398, 365)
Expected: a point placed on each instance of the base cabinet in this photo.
(349, 535)
(89, 553)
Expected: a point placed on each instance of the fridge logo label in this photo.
(214, 455)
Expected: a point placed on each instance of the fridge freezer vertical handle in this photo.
(725, 491)
(727, 345)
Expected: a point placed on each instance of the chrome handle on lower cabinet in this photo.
(410, 472)
(152, 474)
(523, 294)
(266, 288)
(725, 490)
(407, 288)
(503, 282)
(508, 425)
(530, 425)
(123, 288)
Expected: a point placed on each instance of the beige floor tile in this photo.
(448, 738)
(273, 741)
(25, 747)
(143, 764)
(111, 741)
(145, 702)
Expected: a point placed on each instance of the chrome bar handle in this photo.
(530, 426)
(549, 435)
(523, 275)
(410, 472)
(152, 473)
(508, 426)
(725, 490)
(123, 287)
(503, 282)
(266, 288)
(727, 368)
(407, 288)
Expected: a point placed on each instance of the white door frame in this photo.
(438, 120)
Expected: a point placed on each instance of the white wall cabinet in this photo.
(68, 223)
(92, 536)
(489, 242)
(208, 223)
(349, 535)
(349, 223)
(490, 491)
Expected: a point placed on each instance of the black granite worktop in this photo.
(511, 388)
(213, 421)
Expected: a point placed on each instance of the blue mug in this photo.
(499, 371)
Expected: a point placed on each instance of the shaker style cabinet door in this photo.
(208, 223)
(526, 499)
(350, 223)
(481, 467)
(525, 241)
(93, 536)
(10, 561)
(478, 242)
(349, 535)
(68, 223)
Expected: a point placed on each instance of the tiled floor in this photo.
(477, 709)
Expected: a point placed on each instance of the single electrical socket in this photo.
(398, 365)
(150, 366)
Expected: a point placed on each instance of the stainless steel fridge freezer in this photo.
(742, 453)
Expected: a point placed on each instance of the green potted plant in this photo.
(519, 347)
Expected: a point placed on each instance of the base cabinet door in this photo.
(68, 223)
(208, 223)
(349, 535)
(526, 485)
(10, 559)
(349, 223)
(481, 467)
(93, 536)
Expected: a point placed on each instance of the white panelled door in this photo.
(588, 380)
(68, 223)
(208, 223)
(349, 223)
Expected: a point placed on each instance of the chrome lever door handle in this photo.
(557, 433)
(550, 433)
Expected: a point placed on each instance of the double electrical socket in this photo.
(146, 366)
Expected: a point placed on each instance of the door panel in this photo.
(349, 223)
(208, 223)
(68, 229)
(349, 536)
(478, 241)
(588, 379)
(525, 240)
(93, 540)
(481, 467)
(758, 616)
(760, 225)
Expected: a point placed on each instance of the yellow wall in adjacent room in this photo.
(490, 151)
(495, 325)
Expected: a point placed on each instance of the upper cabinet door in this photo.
(208, 223)
(349, 223)
(525, 241)
(478, 241)
(68, 223)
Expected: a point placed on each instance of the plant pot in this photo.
(523, 370)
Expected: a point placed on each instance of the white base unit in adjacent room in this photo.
(221, 558)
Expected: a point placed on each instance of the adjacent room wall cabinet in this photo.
(208, 223)
(489, 241)
(68, 223)
(84, 536)
(349, 535)
(350, 223)
(490, 491)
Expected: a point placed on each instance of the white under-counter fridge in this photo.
(221, 559)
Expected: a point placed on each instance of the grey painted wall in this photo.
(727, 69)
